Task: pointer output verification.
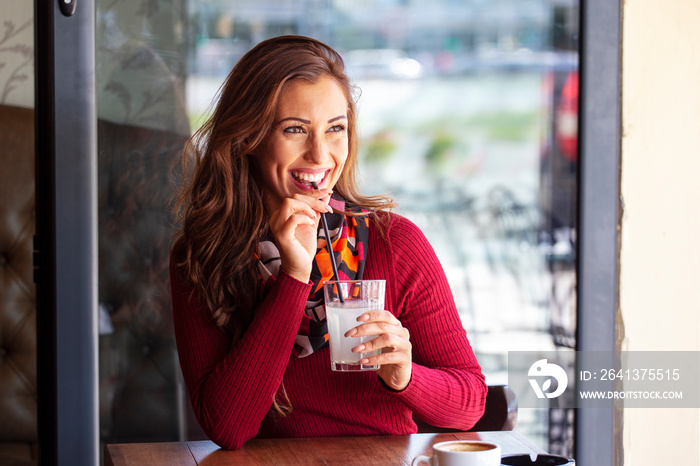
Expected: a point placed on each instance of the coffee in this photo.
(471, 446)
(462, 453)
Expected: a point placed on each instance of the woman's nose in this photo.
(318, 150)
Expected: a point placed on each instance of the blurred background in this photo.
(468, 118)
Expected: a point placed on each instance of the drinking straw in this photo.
(329, 246)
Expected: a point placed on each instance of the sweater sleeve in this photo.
(231, 388)
(447, 387)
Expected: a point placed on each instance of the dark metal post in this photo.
(599, 211)
(66, 241)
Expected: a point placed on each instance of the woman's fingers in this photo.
(320, 204)
(379, 316)
(391, 335)
(378, 328)
(296, 241)
(398, 358)
(289, 208)
(393, 341)
(387, 342)
(294, 226)
(376, 323)
(288, 228)
(317, 200)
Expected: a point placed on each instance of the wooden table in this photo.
(348, 451)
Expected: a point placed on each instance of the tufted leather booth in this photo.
(18, 400)
(140, 382)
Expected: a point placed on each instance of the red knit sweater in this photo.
(231, 387)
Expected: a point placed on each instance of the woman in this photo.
(246, 265)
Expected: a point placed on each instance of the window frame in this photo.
(598, 432)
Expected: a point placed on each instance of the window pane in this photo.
(468, 117)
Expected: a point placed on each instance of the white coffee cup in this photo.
(462, 453)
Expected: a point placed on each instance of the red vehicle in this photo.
(559, 156)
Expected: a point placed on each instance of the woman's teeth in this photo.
(308, 177)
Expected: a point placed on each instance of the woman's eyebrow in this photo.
(307, 122)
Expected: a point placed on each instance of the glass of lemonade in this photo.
(358, 297)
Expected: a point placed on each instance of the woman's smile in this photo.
(304, 177)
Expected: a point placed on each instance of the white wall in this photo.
(660, 250)
(17, 53)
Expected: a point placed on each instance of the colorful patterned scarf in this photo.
(349, 236)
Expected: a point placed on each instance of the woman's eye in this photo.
(336, 129)
(294, 129)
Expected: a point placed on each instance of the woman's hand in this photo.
(294, 226)
(395, 358)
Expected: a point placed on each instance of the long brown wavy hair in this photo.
(220, 205)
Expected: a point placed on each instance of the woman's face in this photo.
(308, 140)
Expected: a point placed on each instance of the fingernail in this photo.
(363, 361)
(363, 318)
(359, 349)
(351, 332)
(329, 209)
